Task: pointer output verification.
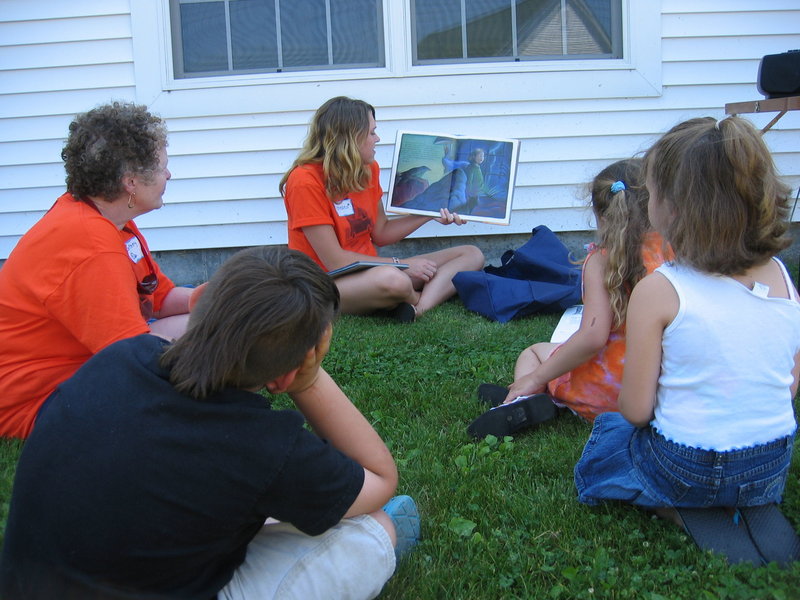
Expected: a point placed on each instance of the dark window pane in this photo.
(438, 29)
(203, 37)
(539, 28)
(304, 34)
(489, 28)
(357, 32)
(253, 34)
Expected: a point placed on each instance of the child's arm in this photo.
(653, 305)
(588, 340)
(334, 418)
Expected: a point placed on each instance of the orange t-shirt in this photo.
(67, 290)
(352, 218)
(593, 387)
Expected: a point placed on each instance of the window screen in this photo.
(219, 37)
(449, 31)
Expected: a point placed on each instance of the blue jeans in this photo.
(641, 467)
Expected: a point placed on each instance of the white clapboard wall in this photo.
(230, 145)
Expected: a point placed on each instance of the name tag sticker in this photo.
(344, 208)
(134, 249)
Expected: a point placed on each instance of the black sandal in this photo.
(492, 394)
(509, 418)
(403, 313)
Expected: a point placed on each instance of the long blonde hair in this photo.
(334, 135)
(619, 202)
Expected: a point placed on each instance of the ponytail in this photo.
(619, 200)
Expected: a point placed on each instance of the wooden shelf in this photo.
(781, 105)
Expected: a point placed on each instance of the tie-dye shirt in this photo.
(593, 387)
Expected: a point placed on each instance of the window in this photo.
(178, 63)
(224, 37)
(449, 31)
(229, 37)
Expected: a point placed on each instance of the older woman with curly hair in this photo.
(83, 276)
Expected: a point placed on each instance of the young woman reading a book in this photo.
(333, 196)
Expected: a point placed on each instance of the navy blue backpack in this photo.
(536, 277)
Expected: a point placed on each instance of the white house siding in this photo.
(229, 146)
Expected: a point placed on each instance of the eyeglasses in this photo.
(149, 283)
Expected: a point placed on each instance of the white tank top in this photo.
(727, 360)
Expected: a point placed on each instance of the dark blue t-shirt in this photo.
(127, 488)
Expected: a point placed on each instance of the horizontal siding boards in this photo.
(67, 78)
(70, 102)
(229, 147)
(217, 189)
(256, 140)
(726, 48)
(227, 212)
(728, 23)
(25, 10)
(32, 152)
(24, 176)
(37, 199)
(34, 129)
(48, 31)
(698, 73)
(250, 234)
(64, 54)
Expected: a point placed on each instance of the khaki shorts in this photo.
(354, 560)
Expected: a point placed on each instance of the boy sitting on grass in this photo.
(154, 472)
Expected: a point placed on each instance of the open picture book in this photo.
(360, 265)
(473, 177)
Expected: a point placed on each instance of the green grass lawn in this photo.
(500, 518)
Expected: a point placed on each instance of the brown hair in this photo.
(334, 135)
(622, 222)
(261, 312)
(718, 183)
(107, 142)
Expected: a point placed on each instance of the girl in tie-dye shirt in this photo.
(584, 373)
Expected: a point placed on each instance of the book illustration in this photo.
(568, 324)
(360, 265)
(473, 177)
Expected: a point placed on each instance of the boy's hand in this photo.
(309, 370)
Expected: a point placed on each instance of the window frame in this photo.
(637, 74)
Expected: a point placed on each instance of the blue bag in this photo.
(536, 277)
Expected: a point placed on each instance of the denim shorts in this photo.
(640, 466)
